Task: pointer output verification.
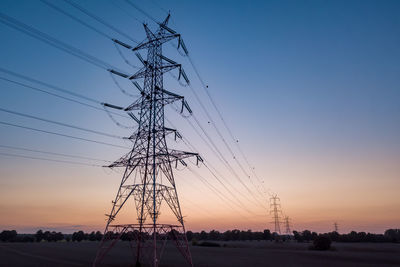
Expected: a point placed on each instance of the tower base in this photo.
(147, 242)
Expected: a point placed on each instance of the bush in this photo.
(209, 244)
(8, 236)
(322, 242)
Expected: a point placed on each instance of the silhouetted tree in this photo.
(307, 236)
(78, 236)
(298, 237)
(92, 236)
(203, 235)
(322, 242)
(8, 236)
(98, 236)
(393, 235)
(214, 235)
(267, 235)
(189, 235)
(39, 236)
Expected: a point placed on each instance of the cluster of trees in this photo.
(80, 236)
(8, 236)
(13, 236)
(390, 235)
(234, 235)
(48, 236)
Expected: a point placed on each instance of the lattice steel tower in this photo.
(336, 227)
(286, 221)
(275, 210)
(148, 176)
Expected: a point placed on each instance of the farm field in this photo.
(250, 253)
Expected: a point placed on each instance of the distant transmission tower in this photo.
(148, 177)
(336, 227)
(275, 210)
(286, 221)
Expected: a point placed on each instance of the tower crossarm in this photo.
(161, 39)
(179, 155)
(147, 71)
(165, 130)
(163, 96)
(162, 158)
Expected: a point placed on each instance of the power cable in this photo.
(60, 123)
(51, 153)
(60, 134)
(141, 10)
(75, 18)
(24, 28)
(47, 159)
(83, 10)
(57, 89)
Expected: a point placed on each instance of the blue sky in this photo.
(310, 88)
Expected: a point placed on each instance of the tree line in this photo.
(390, 235)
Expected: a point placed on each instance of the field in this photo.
(252, 253)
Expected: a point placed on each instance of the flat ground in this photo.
(243, 254)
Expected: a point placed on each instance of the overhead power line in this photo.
(102, 21)
(75, 18)
(214, 173)
(234, 140)
(141, 10)
(47, 159)
(213, 123)
(60, 134)
(59, 96)
(24, 28)
(51, 153)
(49, 85)
(60, 123)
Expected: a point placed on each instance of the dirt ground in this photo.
(243, 254)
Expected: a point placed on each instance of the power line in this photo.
(57, 89)
(108, 112)
(220, 115)
(51, 153)
(205, 87)
(205, 160)
(225, 162)
(214, 125)
(99, 20)
(60, 134)
(75, 18)
(230, 167)
(49, 93)
(24, 28)
(219, 194)
(120, 87)
(141, 10)
(47, 159)
(115, 4)
(205, 110)
(60, 123)
(49, 85)
(95, 30)
(123, 57)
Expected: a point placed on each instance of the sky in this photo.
(310, 89)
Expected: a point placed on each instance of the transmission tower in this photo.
(148, 176)
(275, 210)
(336, 227)
(286, 221)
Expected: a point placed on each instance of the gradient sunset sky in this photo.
(311, 89)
